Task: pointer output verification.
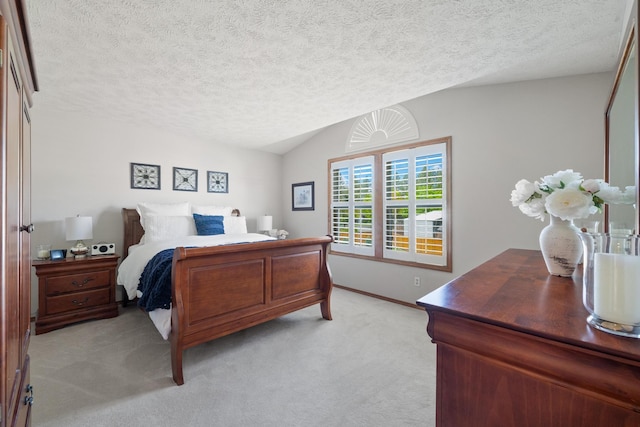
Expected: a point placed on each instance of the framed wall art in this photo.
(185, 179)
(144, 176)
(217, 182)
(302, 196)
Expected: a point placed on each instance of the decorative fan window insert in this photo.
(381, 127)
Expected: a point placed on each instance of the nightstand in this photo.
(72, 290)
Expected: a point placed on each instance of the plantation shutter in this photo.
(352, 197)
(414, 204)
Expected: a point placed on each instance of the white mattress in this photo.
(131, 267)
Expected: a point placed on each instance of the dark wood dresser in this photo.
(71, 290)
(514, 349)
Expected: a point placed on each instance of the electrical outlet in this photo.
(416, 281)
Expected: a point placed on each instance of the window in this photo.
(352, 205)
(393, 205)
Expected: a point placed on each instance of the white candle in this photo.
(616, 288)
(43, 254)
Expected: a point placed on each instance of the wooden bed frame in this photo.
(220, 290)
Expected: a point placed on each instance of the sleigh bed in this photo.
(219, 290)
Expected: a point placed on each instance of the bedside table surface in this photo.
(71, 260)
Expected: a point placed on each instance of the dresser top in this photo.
(515, 291)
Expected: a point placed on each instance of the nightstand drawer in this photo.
(59, 304)
(77, 282)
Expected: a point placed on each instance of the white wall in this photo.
(80, 165)
(501, 133)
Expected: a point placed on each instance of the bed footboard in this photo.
(224, 289)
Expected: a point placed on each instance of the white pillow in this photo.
(235, 225)
(163, 227)
(212, 210)
(164, 209)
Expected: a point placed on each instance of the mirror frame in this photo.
(631, 40)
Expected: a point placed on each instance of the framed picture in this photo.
(217, 182)
(185, 179)
(302, 196)
(145, 176)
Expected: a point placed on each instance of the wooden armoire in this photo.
(17, 85)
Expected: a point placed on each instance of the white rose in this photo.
(524, 190)
(610, 195)
(535, 209)
(591, 185)
(562, 178)
(569, 203)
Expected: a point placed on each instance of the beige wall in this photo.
(501, 133)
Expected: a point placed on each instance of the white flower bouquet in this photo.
(567, 195)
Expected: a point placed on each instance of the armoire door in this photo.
(25, 235)
(25, 399)
(17, 85)
(16, 256)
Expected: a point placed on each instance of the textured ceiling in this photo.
(266, 74)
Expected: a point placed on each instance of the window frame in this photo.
(378, 215)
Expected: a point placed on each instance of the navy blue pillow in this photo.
(208, 225)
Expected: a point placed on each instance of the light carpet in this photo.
(373, 365)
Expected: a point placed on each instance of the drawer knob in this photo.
(83, 302)
(81, 284)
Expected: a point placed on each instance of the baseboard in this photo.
(369, 294)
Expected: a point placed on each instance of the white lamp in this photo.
(265, 223)
(79, 228)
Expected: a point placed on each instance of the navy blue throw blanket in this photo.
(155, 282)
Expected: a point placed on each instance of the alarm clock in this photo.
(103, 249)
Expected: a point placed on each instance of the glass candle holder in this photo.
(44, 251)
(611, 282)
(587, 226)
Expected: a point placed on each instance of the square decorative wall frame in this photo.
(302, 196)
(185, 179)
(144, 176)
(217, 182)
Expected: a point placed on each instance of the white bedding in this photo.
(131, 268)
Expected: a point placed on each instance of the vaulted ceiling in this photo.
(266, 74)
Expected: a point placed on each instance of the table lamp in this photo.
(265, 223)
(79, 228)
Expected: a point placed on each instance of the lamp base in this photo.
(79, 251)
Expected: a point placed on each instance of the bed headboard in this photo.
(133, 230)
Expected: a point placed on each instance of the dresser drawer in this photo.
(70, 302)
(77, 282)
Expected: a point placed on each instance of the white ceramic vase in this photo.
(561, 247)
